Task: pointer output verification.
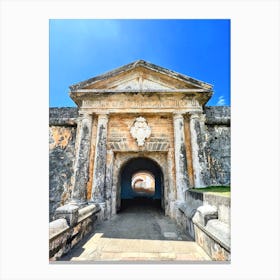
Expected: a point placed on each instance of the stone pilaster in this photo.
(109, 181)
(180, 157)
(81, 166)
(99, 172)
(197, 129)
(171, 190)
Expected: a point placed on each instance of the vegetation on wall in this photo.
(218, 190)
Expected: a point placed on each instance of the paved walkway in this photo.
(140, 232)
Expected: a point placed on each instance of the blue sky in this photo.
(81, 49)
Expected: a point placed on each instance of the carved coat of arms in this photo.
(140, 131)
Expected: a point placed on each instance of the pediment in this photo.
(140, 75)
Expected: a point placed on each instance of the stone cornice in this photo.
(193, 90)
(202, 96)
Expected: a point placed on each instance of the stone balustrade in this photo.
(71, 225)
(206, 218)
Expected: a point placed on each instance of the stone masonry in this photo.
(90, 145)
(62, 136)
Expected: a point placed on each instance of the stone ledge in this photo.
(57, 227)
(85, 212)
(220, 231)
(214, 199)
(214, 239)
(213, 246)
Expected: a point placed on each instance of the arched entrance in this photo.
(141, 181)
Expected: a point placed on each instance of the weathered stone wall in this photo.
(62, 132)
(218, 145)
(62, 135)
(63, 116)
(158, 147)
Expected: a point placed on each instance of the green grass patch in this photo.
(218, 190)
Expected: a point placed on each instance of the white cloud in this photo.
(221, 101)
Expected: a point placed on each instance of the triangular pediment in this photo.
(140, 75)
(134, 80)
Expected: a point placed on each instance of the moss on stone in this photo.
(218, 190)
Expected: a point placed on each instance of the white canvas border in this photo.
(255, 137)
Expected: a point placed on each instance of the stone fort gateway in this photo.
(140, 134)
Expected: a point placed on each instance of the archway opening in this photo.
(141, 182)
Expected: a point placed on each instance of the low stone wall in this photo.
(212, 234)
(206, 218)
(71, 225)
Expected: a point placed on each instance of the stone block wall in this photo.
(63, 116)
(218, 145)
(119, 137)
(62, 135)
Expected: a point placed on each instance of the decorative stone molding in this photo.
(140, 131)
(178, 116)
(104, 117)
(194, 115)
